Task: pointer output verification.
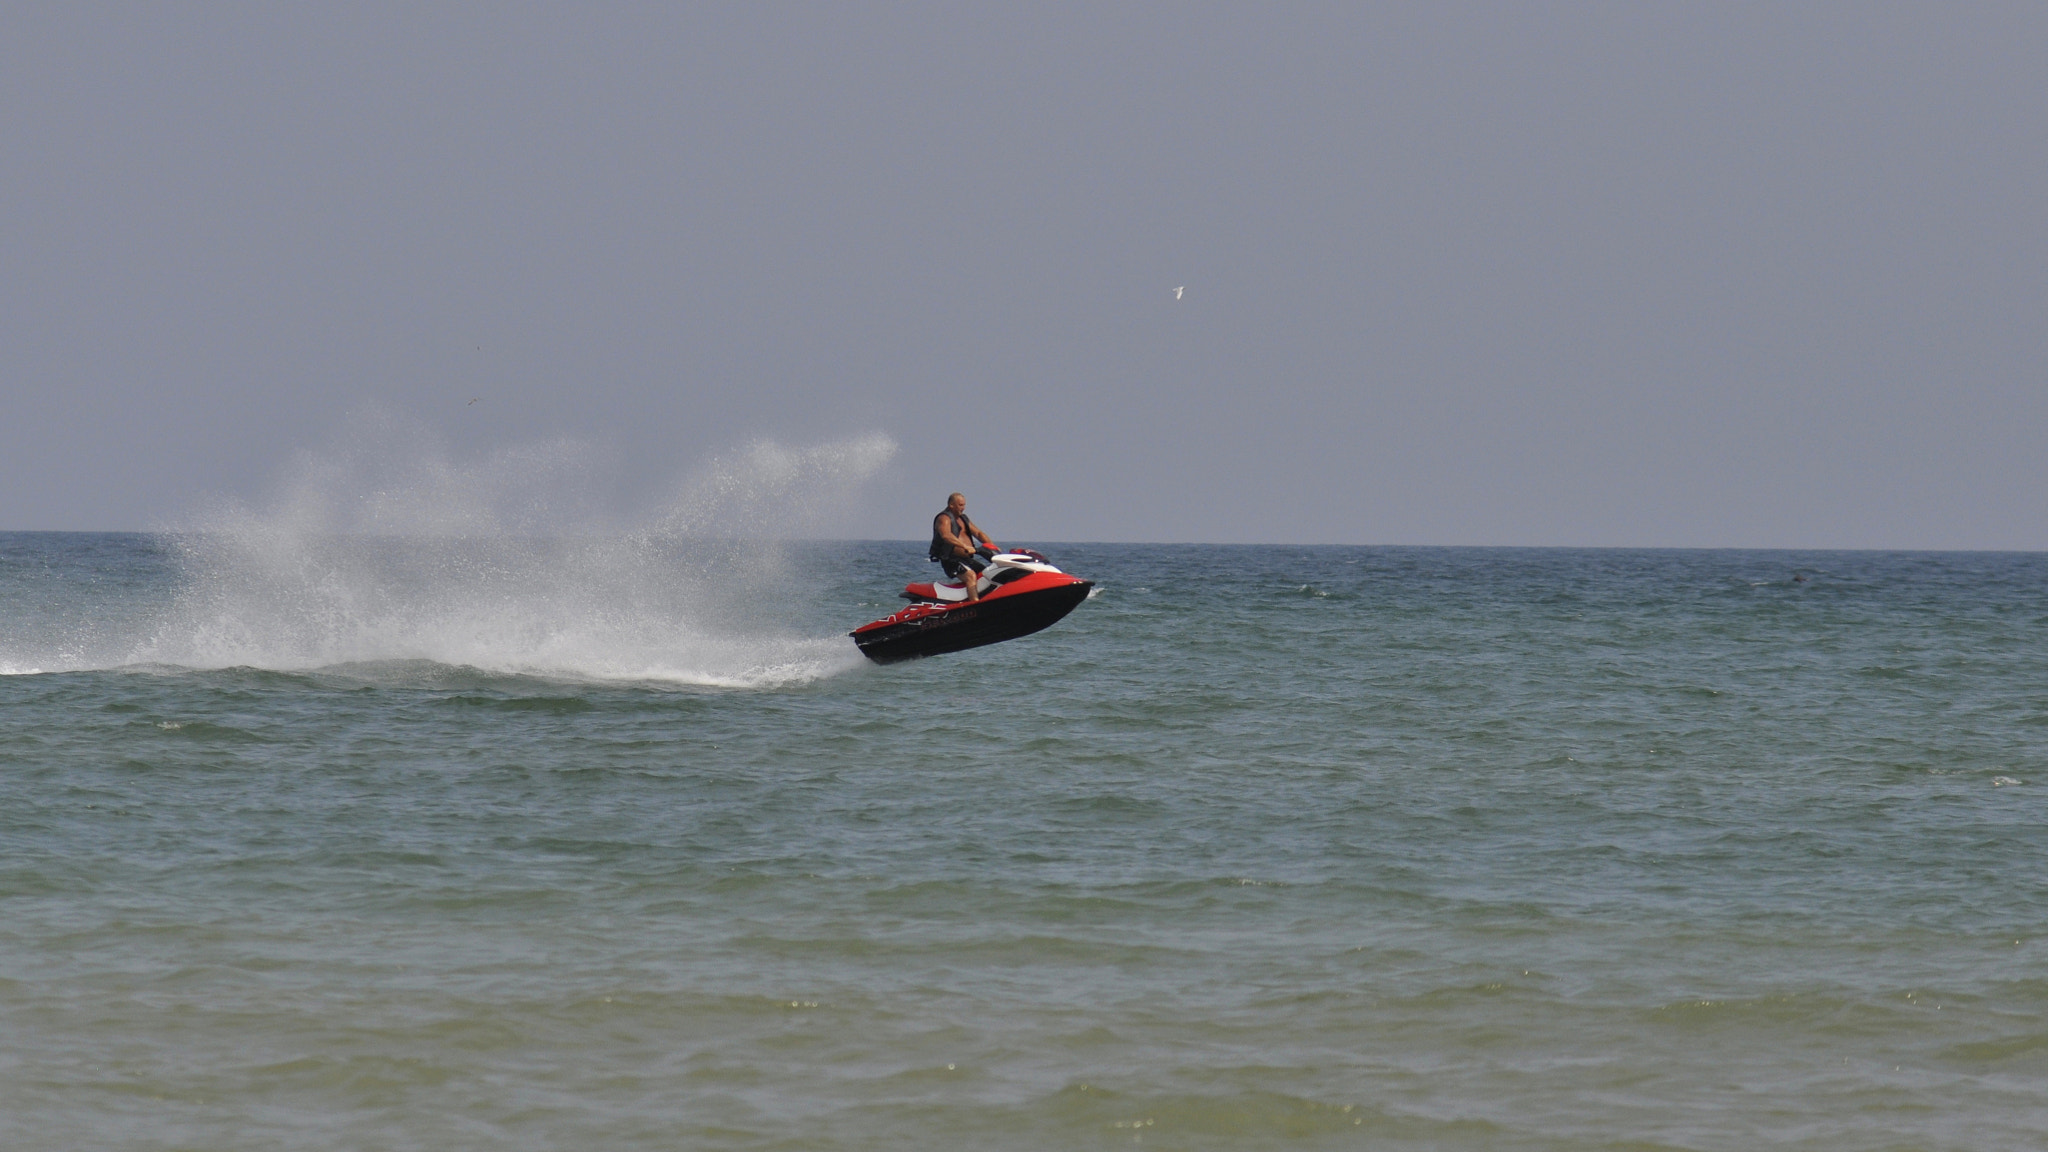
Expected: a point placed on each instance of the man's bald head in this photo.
(956, 502)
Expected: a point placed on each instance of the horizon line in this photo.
(914, 542)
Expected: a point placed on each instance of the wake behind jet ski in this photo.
(1019, 593)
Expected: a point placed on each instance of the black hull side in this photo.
(972, 625)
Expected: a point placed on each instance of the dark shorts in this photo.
(976, 562)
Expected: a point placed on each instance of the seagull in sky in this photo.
(1179, 290)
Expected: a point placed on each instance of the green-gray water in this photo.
(1260, 848)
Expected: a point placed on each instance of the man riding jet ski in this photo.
(995, 596)
(953, 543)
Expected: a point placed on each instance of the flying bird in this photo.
(1179, 290)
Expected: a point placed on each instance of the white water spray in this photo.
(386, 549)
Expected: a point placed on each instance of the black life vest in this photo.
(942, 549)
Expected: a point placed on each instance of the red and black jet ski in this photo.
(1020, 594)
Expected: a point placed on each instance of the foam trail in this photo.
(387, 550)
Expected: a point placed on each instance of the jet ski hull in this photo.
(934, 629)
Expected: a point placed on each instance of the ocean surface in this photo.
(503, 843)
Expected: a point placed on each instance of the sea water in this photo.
(615, 842)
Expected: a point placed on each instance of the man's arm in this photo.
(974, 529)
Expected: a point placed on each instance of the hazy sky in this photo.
(1628, 274)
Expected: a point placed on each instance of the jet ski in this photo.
(1020, 592)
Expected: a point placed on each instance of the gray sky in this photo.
(1629, 274)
